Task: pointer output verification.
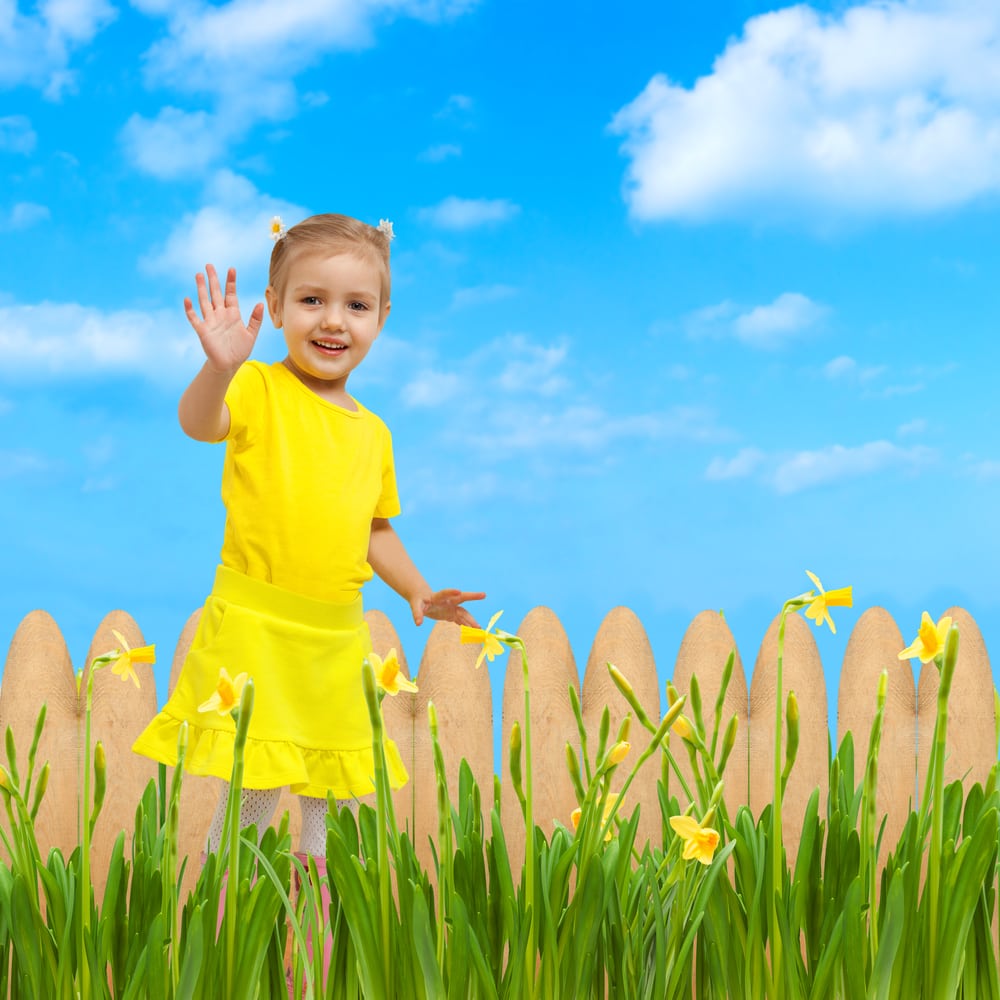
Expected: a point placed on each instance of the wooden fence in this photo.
(38, 669)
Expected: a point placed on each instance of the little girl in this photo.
(309, 487)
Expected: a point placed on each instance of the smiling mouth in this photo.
(328, 347)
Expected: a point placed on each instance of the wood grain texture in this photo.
(622, 640)
(39, 671)
(971, 735)
(873, 647)
(551, 670)
(199, 795)
(120, 712)
(704, 651)
(464, 704)
(803, 674)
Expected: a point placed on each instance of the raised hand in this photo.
(226, 341)
(446, 606)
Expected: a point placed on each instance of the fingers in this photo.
(256, 318)
(203, 300)
(213, 285)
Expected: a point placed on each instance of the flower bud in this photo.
(573, 766)
(728, 742)
(792, 714)
(629, 695)
(43, 783)
(619, 752)
(100, 782)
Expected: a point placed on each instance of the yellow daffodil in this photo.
(699, 842)
(577, 813)
(226, 695)
(682, 728)
(492, 646)
(841, 598)
(929, 643)
(126, 656)
(619, 752)
(388, 676)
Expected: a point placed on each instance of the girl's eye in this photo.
(359, 306)
(310, 300)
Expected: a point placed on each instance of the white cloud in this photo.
(229, 230)
(64, 340)
(916, 426)
(35, 50)
(16, 134)
(987, 469)
(479, 295)
(771, 325)
(21, 463)
(767, 326)
(24, 215)
(457, 106)
(436, 154)
(213, 47)
(586, 428)
(246, 54)
(744, 464)
(468, 213)
(175, 143)
(840, 367)
(432, 388)
(534, 368)
(887, 107)
(806, 469)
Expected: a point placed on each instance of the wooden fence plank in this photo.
(120, 712)
(704, 651)
(398, 712)
(803, 674)
(551, 670)
(872, 648)
(464, 705)
(199, 795)
(39, 671)
(622, 640)
(971, 737)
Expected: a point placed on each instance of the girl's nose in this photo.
(333, 318)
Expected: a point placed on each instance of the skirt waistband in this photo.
(266, 598)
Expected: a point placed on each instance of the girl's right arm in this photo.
(227, 343)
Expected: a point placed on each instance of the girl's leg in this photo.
(257, 807)
(312, 839)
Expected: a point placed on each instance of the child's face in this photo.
(330, 312)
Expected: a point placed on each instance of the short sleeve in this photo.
(388, 502)
(243, 399)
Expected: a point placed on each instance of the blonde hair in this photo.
(331, 234)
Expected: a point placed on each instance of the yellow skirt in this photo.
(310, 728)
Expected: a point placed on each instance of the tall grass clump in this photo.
(713, 906)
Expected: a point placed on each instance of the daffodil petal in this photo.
(684, 826)
(815, 580)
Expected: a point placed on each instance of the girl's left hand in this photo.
(445, 606)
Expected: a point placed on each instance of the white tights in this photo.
(257, 807)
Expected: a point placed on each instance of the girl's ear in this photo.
(273, 306)
(384, 316)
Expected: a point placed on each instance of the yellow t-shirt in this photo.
(302, 480)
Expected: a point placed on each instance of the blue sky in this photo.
(685, 301)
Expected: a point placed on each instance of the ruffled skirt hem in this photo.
(271, 763)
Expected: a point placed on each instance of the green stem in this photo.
(776, 839)
(84, 890)
(947, 669)
(531, 949)
(233, 830)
